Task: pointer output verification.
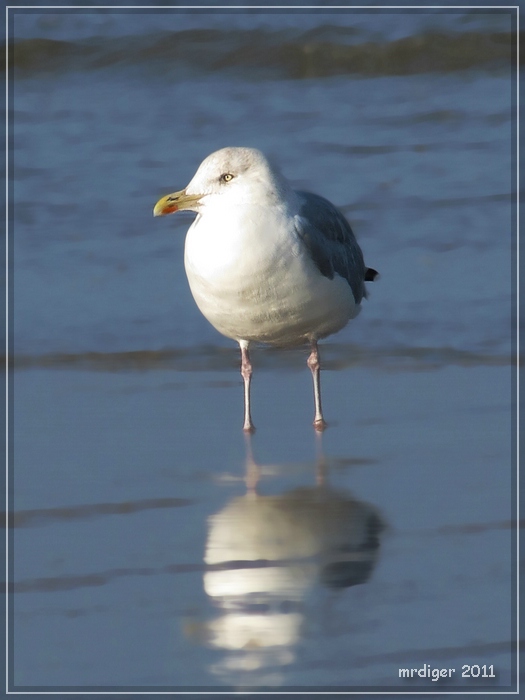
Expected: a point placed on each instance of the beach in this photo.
(152, 545)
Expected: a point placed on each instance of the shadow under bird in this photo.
(266, 263)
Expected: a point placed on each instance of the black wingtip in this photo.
(371, 274)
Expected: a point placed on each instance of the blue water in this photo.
(128, 404)
(420, 164)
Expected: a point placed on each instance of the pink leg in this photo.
(315, 367)
(246, 372)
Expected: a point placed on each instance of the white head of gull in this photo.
(266, 263)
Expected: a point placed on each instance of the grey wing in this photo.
(330, 242)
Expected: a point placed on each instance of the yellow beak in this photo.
(173, 202)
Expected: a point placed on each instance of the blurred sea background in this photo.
(127, 405)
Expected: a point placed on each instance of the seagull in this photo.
(267, 263)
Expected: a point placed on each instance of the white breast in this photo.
(252, 279)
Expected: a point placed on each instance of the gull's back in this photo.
(330, 242)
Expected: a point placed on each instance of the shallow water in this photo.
(129, 486)
(137, 530)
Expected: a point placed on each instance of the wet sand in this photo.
(128, 477)
(149, 549)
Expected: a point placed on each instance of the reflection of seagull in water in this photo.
(265, 553)
(266, 263)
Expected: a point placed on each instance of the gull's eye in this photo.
(226, 177)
